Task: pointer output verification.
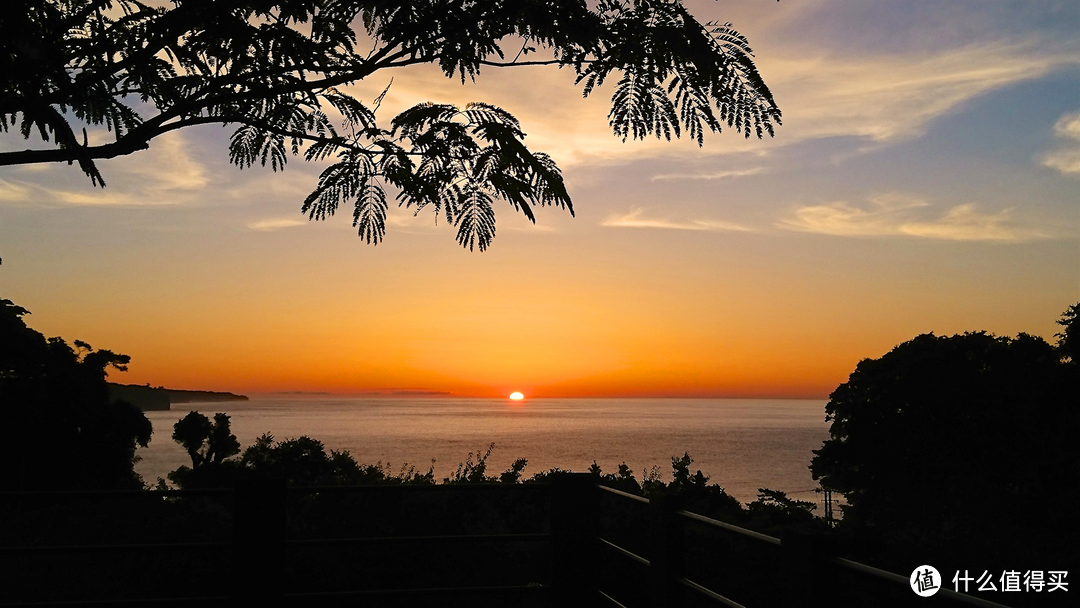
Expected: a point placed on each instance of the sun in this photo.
(516, 396)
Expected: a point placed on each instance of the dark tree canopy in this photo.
(60, 428)
(274, 70)
(302, 461)
(207, 443)
(949, 437)
(1069, 338)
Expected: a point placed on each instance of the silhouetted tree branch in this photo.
(273, 70)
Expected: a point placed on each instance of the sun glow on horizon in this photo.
(516, 396)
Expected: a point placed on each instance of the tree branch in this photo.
(69, 155)
(502, 64)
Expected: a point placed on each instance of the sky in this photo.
(926, 179)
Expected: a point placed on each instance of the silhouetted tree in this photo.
(274, 69)
(775, 506)
(206, 442)
(946, 438)
(301, 462)
(513, 474)
(1069, 338)
(623, 479)
(474, 469)
(695, 491)
(61, 430)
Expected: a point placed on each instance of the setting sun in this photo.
(516, 396)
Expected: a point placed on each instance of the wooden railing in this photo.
(799, 565)
(803, 567)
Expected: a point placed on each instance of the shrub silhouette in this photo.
(62, 429)
(945, 438)
(302, 461)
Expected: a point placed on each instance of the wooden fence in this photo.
(576, 538)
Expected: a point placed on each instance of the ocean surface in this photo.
(742, 444)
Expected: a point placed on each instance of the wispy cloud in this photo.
(966, 223)
(714, 175)
(636, 219)
(880, 98)
(272, 224)
(902, 215)
(840, 218)
(15, 192)
(26, 192)
(169, 166)
(166, 174)
(894, 97)
(1066, 159)
(1068, 125)
(529, 227)
(397, 216)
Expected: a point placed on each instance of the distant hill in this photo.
(149, 398)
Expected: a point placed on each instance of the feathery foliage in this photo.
(275, 70)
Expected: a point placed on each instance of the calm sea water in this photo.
(743, 444)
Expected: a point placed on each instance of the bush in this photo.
(62, 430)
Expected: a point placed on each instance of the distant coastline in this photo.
(148, 398)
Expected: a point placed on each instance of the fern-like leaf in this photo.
(353, 110)
(338, 183)
(475, 220)
(369, 215)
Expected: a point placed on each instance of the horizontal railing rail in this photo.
(709, 593)
(574, 538)
(680, 580)
(885, 575)
(628, 495)
(765, 538)
(611, 600)
(624, 552)
(668, 572)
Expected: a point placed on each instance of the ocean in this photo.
(742, 444)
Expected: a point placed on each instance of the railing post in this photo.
(574, 520)
(804, 560)
(666, 557)
(259, 522)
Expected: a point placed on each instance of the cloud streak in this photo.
(166, 174)
(28, 193)
(278, 223)
(1066, 159)
(715, 175)
(894, 97)
(901, 215)
(636, 219)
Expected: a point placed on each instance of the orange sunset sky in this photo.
(926, 179)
